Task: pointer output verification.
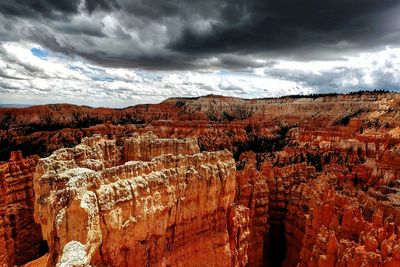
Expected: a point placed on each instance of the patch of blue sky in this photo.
(223, 73)
(40, 53)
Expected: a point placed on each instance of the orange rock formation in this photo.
(316, 181)
(16, 212)
(172, 210)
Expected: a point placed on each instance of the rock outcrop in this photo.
(314, 175)
(20, 236)
(349, 229)
(149, 146)
(252, 192)
(169, 210)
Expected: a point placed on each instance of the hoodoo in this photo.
(212, 181)
(215, 133)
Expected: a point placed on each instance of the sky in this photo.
(118, 53)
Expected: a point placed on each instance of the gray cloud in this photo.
(26, 78)
(53, 8)
(377, 71)
(158, 34)
(134, 51)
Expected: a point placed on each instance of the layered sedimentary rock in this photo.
(149, 146)
(6, 244)
(349, 228)
(289, 152)
(285, 238)
(347, 214)
(173, 210)
(43, 129)
(20, 236)
(252, 192)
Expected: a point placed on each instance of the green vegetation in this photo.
(179, 104)
(262, 144)
(345, 119)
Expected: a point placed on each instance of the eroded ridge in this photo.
(98, 209)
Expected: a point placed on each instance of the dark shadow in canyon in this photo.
(275, 246)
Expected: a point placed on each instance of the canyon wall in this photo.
(252, 192)
(20, 236)
(221, 122)
(349, 229)
(313, 177)
(172, 210)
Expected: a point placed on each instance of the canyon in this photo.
(209, 181)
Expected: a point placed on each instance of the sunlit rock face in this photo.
(174, 209)
(313, 177)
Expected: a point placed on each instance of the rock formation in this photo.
(166, 210)
(316, 181)
(20, 237)
(351, 230)
(252, 192)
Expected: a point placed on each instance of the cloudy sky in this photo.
(124, 52)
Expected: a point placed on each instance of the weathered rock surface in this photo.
(252, 192)
(349, 229)
(172, 210)
(289, 153)
(219, 121)
(20, 237)
(149, 146)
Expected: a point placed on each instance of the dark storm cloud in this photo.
(233, 61)
(282, 25)
(30, 8)
(193, 34)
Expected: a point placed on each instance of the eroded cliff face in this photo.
(344, 212)
(348, 228)
(252, 192)
(20, 236)
(313, 175)
(173, 210)
(220, 122)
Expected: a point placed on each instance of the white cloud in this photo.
(378, 70)
(19, 57)
(123, 74)
(27, 79)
